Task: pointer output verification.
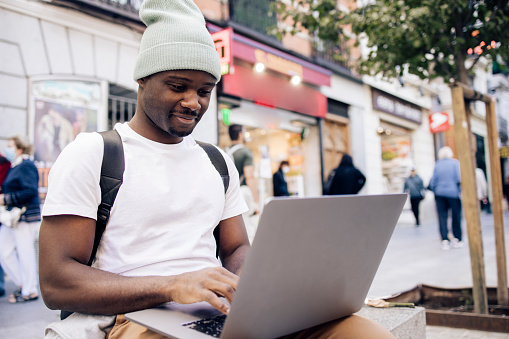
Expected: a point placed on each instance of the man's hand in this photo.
(205, 285)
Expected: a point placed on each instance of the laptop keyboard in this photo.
(211, 326)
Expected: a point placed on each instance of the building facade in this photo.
(67, 68)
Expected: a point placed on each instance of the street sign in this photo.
(439, 122)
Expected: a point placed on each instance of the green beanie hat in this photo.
(176, 38)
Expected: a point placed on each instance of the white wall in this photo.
(39, 39)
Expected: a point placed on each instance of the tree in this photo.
(428, 38)
(431, 39)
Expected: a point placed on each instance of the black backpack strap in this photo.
(112, 172)
(219, 163)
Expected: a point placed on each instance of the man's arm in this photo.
(67, 283)
(233, 243)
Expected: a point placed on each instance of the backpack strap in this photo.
(112, 172)
(218, 161)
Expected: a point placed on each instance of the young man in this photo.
(243, 159)
(158, 245)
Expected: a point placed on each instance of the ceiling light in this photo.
(259, 67)
(295, 80)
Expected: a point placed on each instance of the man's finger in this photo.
(217, 303)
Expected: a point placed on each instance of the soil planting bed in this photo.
(453, 307)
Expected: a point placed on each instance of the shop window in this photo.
(397, 157)
(269, 148)
(336, 142)
(121, 105)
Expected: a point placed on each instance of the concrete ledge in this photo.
(403, 322)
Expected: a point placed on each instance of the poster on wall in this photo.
(60, 110)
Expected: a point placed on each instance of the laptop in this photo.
(312, 261)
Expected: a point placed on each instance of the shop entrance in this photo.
(396, 156)
(269, 148)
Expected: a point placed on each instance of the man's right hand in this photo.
(205, 285)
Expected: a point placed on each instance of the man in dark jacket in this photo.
(414, 187)
(278, 180)
(348, 179)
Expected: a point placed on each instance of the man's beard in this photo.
(176, 133)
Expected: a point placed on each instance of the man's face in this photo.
(174, 101)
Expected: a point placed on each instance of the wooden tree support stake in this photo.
(470, 202)
(498, 212)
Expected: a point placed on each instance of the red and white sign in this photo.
(439, 122)
(223, 44)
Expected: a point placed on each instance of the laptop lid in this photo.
(312, 260)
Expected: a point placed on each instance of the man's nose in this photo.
(191, 101)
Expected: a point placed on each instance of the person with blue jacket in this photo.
(445, 184)
(17, 245)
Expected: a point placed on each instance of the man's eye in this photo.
(177, 87)
(205, 92)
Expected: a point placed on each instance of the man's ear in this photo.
(142, 81)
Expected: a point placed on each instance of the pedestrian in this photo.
(158, 245)
(278, 180)
(17, 245)
(243, 160)
(482, 190)
(414, 187)
(347, 178)
(445, 184)
(5, 166)
(505, 189)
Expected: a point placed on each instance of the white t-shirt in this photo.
(163, 218)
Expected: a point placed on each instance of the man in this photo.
(414, 187)
(446, 185)
(158, 245)
(347, 178)
(243, 159)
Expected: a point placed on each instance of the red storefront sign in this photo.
(266, 89)
(439, 122)
(223, 44)
(274, 92)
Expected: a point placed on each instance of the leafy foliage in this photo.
(429, 38)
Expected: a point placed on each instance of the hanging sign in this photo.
(439, 122)
(223, 44)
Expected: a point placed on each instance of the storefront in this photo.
(399, 121)
(275, 96)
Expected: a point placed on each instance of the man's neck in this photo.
(236, 142)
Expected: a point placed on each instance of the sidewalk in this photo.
(413, 257)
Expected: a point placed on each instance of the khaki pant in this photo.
(352, 327)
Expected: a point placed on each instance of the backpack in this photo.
(328, 184)
(231, 153)
(112, 172)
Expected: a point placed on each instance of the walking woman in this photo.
(17, 244)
